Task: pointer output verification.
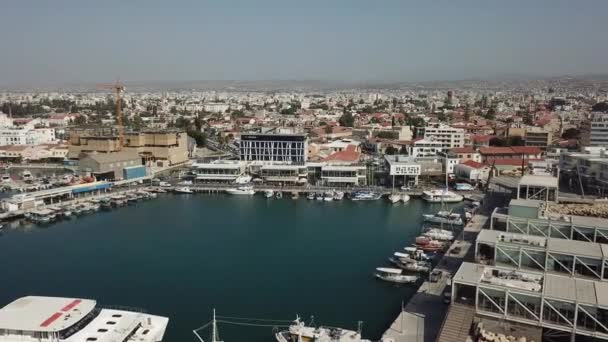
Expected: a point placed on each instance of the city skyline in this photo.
(68, 43)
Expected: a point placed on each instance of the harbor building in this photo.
(537, 187)
(343, 175)
(425, 148)
(271, 148)
(403, 166)
(581, 259)
(585, 170)
(554, 302)
(530, 217)
(218, 171)
(280, 173)
(31, 200)
(157, 148)
(111, 166)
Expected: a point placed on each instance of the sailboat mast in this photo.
(214, 329)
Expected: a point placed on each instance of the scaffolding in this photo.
(571, 258)
(574, 306)
(570, 227)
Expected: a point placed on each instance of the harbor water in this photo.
(183, 255)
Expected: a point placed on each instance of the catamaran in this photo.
(52, 319)
(394, 275)
(299, 332)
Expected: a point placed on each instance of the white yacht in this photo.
(441, 196)
(365, 196)
(299, 332)
(241, 190)
(338, 195)
(328, 196)
(268, 193)
(405, 198)
(53, 319)
(439, 234)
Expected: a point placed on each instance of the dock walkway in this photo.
(422, 318)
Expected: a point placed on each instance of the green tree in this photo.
(80, 120)
(328, 129)
(347, 120)
(390, 150)
(403, 150)
(571, 133)
(491, 114)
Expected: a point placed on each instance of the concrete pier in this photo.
(422, 318)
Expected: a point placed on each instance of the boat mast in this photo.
(214, 337)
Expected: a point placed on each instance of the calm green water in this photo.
(181, 256)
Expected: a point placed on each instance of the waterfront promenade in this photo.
(422, 318)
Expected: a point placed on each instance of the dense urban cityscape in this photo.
(342, 172)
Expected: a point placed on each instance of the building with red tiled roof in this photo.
(348, 155)
(491, 154)
(466, 153)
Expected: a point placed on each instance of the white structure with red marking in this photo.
(68, 319)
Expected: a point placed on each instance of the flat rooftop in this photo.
(552, 245)
(594, 293)
(44, 314)
(539, 181)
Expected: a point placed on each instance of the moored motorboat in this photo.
(430, 245)
(444, 217)
(405, 198)
(299, 332)
(439, 234)
(394, 198)
(365, 196)
(410, 265)
(183, 190)
(310, 196)
(328, 196)
(241, 190)
(338, 195)
(441, 196)
(394, 275)
(279, 195)
(268, 193)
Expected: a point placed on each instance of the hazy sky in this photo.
(72, 41)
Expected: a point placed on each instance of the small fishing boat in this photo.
(405, 198)
(319, 196)
(41, 216)
(310, 196)
(295, 195)
(394, 275)
(328, 196)
(279, 195)
(268, 193)
(338, 195)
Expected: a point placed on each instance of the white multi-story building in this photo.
(449, 137)
(216, 107)
(595, 130)
(425, 148)
(27, 136)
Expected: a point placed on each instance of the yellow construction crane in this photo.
(118, 88)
